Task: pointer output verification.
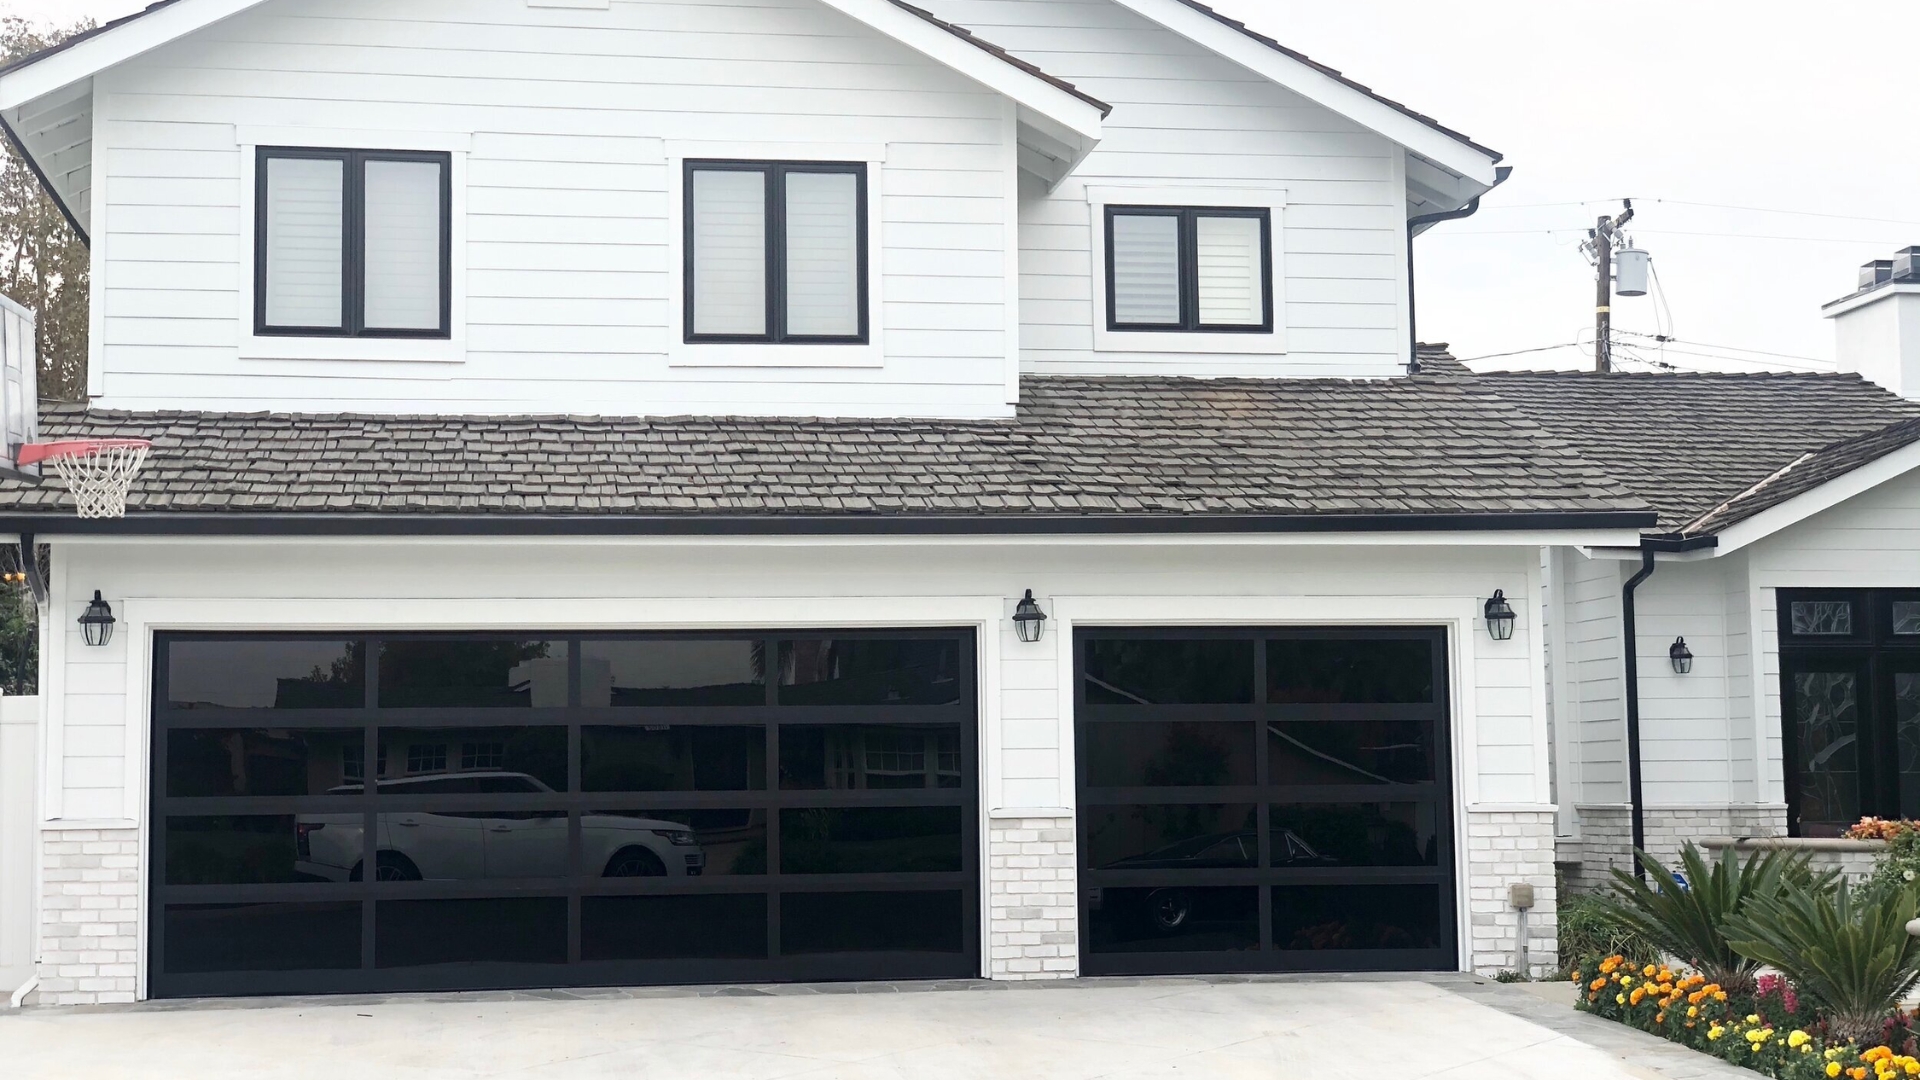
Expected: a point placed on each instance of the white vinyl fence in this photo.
(19, 729)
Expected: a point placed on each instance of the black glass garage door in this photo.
(1264, 800)
(351, 812)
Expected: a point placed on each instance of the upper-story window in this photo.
(1189, 269)
(353, 243)
(776, 252)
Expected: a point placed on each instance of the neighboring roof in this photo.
(83, 36)
(1333, 74)
(1689, 444)
(1141, 452)
(999, 53)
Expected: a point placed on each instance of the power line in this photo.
(1522, 352)
(1671, 232)
(1737, 349)
(1795, 213)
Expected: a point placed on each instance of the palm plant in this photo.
(1846, 949)
(1688, 920)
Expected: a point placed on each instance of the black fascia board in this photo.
(1677, 542)
(455, 525)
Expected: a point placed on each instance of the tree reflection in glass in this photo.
(1827, 710)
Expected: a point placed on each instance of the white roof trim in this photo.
(142, 33)
(156, 28)
(1318, 87)
(1825, 497)
(976, 63)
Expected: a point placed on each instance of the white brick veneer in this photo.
(1606, 834)
(1504, 847)
(1032, 908)
(89, 916)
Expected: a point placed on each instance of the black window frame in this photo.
(1188, 218)
(1268, 875)
(1876, 654)
(778, 712)
(776, 173)
(353, 242)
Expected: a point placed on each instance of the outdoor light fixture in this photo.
(1682, 656)
(97, 622)
(1028, 620)
(1500, 616)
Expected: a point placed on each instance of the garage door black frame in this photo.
(1267, 958)
(580, 883)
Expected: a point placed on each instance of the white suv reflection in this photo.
(472, 845)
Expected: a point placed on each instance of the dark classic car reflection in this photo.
(472, 845)
(1171, 909)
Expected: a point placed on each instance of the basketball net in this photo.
(98, 472)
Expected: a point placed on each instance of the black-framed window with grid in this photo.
(1850, 706)
(1264, 800)
(552, 809)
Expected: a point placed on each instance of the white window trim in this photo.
(681, 353)
(1148, 341)
(451, 349)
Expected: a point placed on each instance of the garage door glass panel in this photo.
(1319, 752)
(1349, 671)
(544, 809)
(1174, 919)
(1152, 753)
(869, 757)
(869, 671)
(1168, 671)
(233, 850)
(472, 673)
(1370, 917)
(1172, 837)
(208, 938)
(673, 758)
(506, 930)
(855, 922)
(673, 927)
(1175, 878)
(1369, 834)
(645, 842)
(207, 763)
(870, 840)
(650, 673)
(491, 760)
(266, 674)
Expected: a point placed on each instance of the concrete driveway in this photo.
(1453, 1027)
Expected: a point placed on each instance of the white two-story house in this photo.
(608, 457)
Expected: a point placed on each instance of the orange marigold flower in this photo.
(1597, 984)
(1649, 970)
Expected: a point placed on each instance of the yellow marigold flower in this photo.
(1719, 995)
(1798, 1039)
(1716, 1031)
(1693, 1010)
(1649, 970)
(1833, 1068)
(1626, 980)
(1619, 999)
(1912, 1067)
(1753, 1018)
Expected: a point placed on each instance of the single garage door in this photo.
(561, 810)
(1264, 800)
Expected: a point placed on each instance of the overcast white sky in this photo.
(1769, 104)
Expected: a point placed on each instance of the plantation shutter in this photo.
(823, 254)
(729, 252)
(402, 234)
(1230, 257)
(1146, 269)
(305, 231)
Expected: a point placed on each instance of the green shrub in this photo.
(1899, 868)
(1845, 950)
(1589, 932)
(1689, 922)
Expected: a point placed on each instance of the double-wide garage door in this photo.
(1264, 800)
(352, 812)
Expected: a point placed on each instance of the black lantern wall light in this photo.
(97, 621)
(1681, 656)
(1028, 620)
(1499, 616)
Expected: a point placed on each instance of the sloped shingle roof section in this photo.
(1080, 448)
(1003, 55)
(1689, 443)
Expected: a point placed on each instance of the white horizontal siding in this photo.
(568, 283)
(1184, 117)
(1595, 709)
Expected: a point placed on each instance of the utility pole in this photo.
(1605, 232)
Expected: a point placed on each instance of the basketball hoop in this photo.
(98, 472)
